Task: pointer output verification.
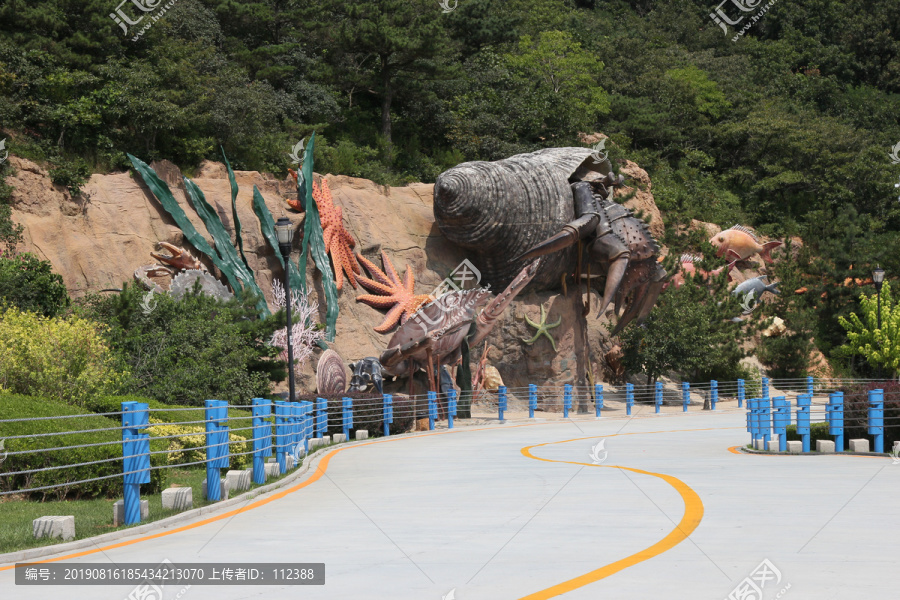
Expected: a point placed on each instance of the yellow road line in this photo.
(693, 514)
(320, 470)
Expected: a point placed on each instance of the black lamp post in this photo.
(878, 278)
(284, 231)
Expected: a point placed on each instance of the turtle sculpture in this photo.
(508, 212)
(435, 333)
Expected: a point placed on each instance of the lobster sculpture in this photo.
(508, 212)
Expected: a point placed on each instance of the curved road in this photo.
(522, 511)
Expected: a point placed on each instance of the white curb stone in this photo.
(61, 527)
(180, 498)
(223, 491)
(272, 470)
(119, 511)
(338, 438)
(825, 446)
(795, 447)
(362, 434)
(859, 445)
(238, 480)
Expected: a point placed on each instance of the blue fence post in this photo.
(135, 457)
(804, 401)
(432, 410)
(501, 401)
(388, 410)
(451, 408)
(567, 400)
(598, 399)
(713, 394)
(282, 430)
(629, 398)
(348, 417)
(217, 454)
(659, 396)
(809, 385)
(685, 395)
(321, 417)
(765, 388)
(741, 393)
(765, 412)
(300, 425)
(262, 431)
(835, 414)
(532, 400)
(752, 409)
(876, 418)
(781, 418)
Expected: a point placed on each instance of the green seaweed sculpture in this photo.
(234, 212)
(226, 260)
(313, 241)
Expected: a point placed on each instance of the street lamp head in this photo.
(878, 277)
(284, 230)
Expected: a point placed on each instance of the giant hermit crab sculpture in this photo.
(508, 212)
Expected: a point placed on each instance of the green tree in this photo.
(185, 351)
(690, 332)
(565, 78)
(30, 284)
(880, 346)
(385, 46)
(787, 355)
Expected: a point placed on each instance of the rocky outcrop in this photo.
(97, 240)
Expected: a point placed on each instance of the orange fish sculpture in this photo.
(743, 243)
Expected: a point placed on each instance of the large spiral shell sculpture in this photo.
(498, 210)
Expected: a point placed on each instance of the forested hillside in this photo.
(786, 126)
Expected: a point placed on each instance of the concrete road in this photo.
(521, 510)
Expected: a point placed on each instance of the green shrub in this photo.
(65, 359)
(21, 407)
(817, 431)
(191, 349)
(30, 284)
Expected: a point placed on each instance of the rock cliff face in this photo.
(96, 241)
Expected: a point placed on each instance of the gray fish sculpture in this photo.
(752, 290)
(508, 212)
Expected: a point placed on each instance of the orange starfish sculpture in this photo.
(390, 292)
(338, 242)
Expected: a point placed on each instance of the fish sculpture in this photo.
(752, 290)
(743, 243)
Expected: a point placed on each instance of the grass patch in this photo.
(92, 517)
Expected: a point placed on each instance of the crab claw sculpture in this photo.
(435, 333)
(178, 258)
(618, 241)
